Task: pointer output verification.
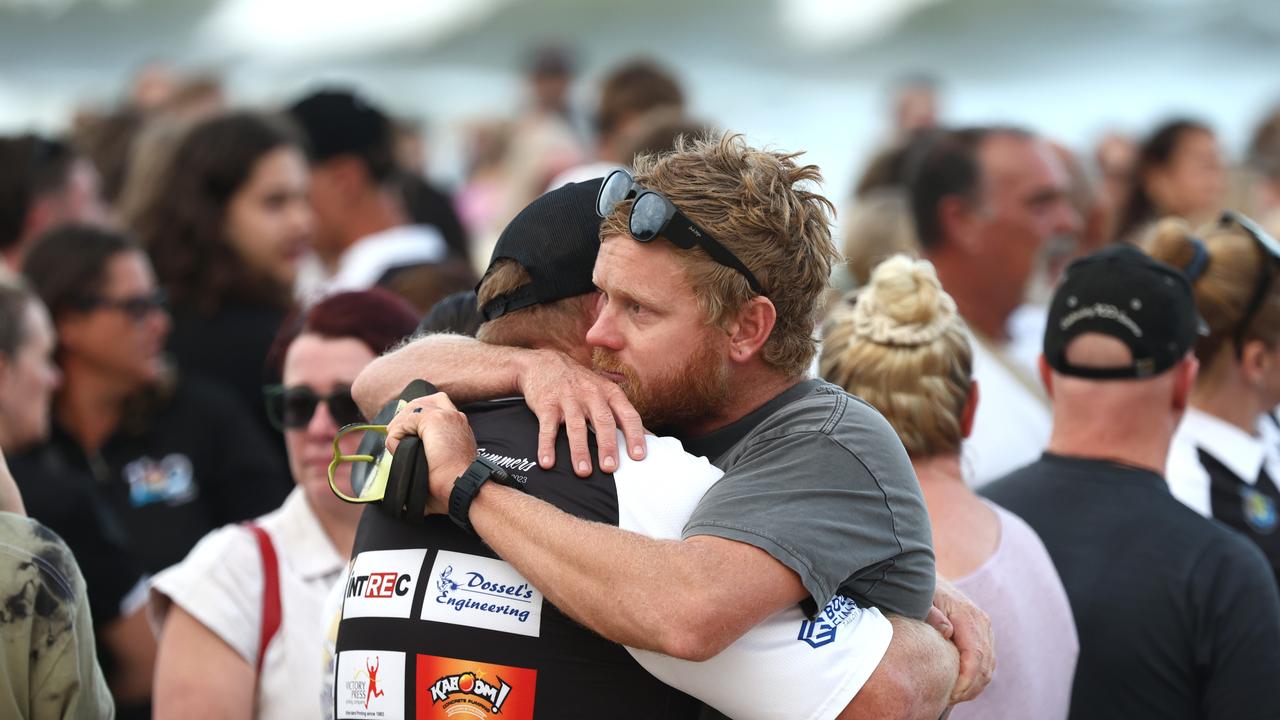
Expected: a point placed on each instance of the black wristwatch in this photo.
(468, 484)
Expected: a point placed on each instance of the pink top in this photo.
(1036, 645)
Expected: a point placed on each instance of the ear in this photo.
(969, 411)
(1184, 382)
(751, 329)
(348, 175)
(1255, 361)
(957, 218)
(70, 329)
(1046, 376)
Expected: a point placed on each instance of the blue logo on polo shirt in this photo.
(1259, 511)
(822, 629)
(170, 480)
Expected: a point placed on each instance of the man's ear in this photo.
(970, 410)
(1046, 376)
(1184, 382)
(752, 328)
(956, 220)
(348, 175)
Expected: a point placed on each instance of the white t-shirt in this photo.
(1012, 425)
(220, 584)
(1244, 455)
(363, 264)
(830, 657)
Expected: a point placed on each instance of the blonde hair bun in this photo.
(904, 304)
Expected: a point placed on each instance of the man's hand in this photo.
(559, 390)
(966, 625)
(447, 441)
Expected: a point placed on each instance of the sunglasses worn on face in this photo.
(138, 307)
(652, 214)
(291, 408)
(1266, 274)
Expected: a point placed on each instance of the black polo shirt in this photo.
(444, 626)
(1177, 615)
(192, 462)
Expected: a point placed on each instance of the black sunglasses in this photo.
(652, 214)
(291, 408)
(1266, 274)
(137, 307)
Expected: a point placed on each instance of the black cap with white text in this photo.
(1123, 293)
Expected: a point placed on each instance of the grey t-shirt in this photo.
(819, 480)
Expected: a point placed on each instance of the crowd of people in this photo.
(628, 433)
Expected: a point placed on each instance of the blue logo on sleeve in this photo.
(822, 629)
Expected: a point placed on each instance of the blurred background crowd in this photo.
(180, 181)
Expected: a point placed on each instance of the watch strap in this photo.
(468, 485)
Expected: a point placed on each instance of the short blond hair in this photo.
(754, 202)
(561, 325)
(900, 345)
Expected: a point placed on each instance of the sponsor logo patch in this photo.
(1259, 511)
(171, 480)
(481, 592)
(822, 629)
(452, 688)
(381, 583)
(370, 684)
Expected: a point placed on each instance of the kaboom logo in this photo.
(473, 684)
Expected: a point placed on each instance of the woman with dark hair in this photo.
(225, 232)
(1179, 172)
(172, 458)
(63, 501)
(240, 641)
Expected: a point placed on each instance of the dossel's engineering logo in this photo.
(822, 630)
(449, 687)
(370, 684)
(481, 592)
(381, 583)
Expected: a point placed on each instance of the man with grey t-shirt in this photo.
(818, 496)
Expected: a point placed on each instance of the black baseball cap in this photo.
(338, 121)
(1123, 293)
(556, 239)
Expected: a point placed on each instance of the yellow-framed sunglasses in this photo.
(370, 485)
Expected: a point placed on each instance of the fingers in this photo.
(606, 437)
(414, 416)
(575, 425)
(977, 656)
(939, 621)
(629, 420)
(548, 428)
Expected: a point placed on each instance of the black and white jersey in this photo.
(445, 628)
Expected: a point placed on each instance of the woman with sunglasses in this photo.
(68, 504)
(1225, 459)
(226, 228)
(172, 457)
(241, 631)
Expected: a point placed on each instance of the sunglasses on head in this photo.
(291, 408)
(1266, 274)
(652, 214)
(137, 307)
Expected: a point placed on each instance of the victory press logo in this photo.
(370, 685)
(450, 687)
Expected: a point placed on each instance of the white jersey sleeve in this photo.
(822, 663)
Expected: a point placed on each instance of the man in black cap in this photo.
(1177, 615)
(363, 236)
